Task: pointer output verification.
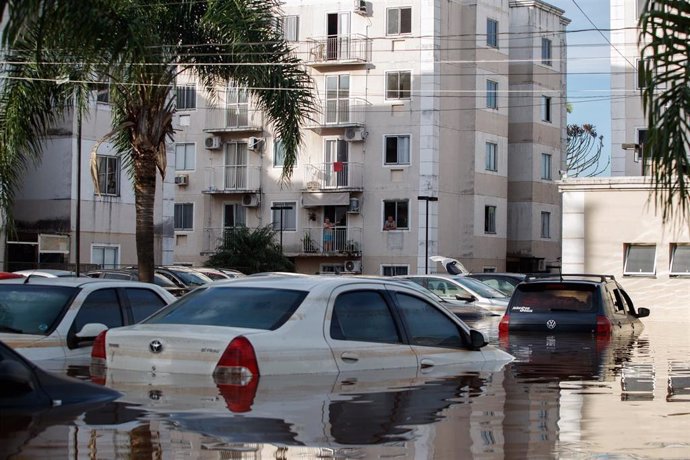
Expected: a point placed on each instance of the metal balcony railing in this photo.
(349, 111)
(339, 49)
(233, 178)
(317, 240)
(234, 118)
(334, 175)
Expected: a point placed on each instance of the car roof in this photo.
(74, 281)
(303, 282)
(569, 278)
(46, 271)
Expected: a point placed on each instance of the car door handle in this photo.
(349, 357)
(426, 363)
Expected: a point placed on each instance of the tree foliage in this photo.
(583, 152)
(250, 251)
(665, 80)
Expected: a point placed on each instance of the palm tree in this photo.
(139, 47)
(665, 79)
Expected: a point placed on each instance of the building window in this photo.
(288, 213)
(186, 97)
(399, 21)
(640, 259)
(546, 51)
(333, 269)
(289, 28)
(492, 33)
(398, 84)
(491, 94)
(397, 211)
(394, 270)
(108, 175)
(235, 215)
(397, 150)
(546, 166)
(278, 153)
(489, 219)
(490, 162)
(680, 259)
(105, 256)
(184, 216)
(546, 225)
(546, 109)
(185, 157)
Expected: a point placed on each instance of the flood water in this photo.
(563, 397)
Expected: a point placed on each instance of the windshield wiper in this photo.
(4, 328)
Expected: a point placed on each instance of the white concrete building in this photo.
(457, 101)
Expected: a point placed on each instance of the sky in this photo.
(589, 65)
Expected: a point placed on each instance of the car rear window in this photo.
(253, 308)
(32, 309)
(529, 298)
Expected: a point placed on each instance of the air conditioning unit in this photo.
(250, 200)
(255, 143)
(213, 142)
(360, 7)
(353, 266)
(355, 135)
(354, 205)
(182, 179)
(541, 265)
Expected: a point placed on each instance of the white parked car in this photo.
(58, 318)
(295, 325)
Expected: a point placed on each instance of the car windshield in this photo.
(253, 308)
(192, 278)
(553, 297)
(32, 309)
(479, 288)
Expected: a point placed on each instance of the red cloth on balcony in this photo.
(338, 166)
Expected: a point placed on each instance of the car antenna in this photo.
(26, 281)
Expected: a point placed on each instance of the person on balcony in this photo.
(327, 235)
(389, 224)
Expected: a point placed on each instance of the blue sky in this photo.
(588, 65)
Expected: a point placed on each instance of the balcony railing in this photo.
(343, 240)
(338, 175)
(233, 178)
(339, 49)
(237, 118)
(344, 112)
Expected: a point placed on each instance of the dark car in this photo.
(184, 276)
(132, 274)
(594, 304)
(504, 282)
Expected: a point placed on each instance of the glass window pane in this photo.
(681, 259)
(363, 316)
(640, 259)
(426, 325)
(391, 150)
(393, 22)
(101, 306)
(144, 303)
(405, 20)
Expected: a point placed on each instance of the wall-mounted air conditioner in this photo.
(353, 266)
(213, 143)
(255, 143)
(355, 134)
(250, 200)
(182, 179)
(361, 7)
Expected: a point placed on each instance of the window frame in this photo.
(398, 153)
(401, 222)
(289, 216)
(395, 269)
(103, 247)
(183, 206)
(491, 94)
(103, 183)
(490, 219)
(398, 94)
(289, 27)
(674, 247)
(399, 31)
(546, 166)
(492, 35)
(491, 156)
(628, 247)
(546, 109)
(186, 155)
(278, 153)
(546, 51)
(189, 93)
(545, 225)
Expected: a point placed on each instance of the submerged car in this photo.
(504, 282)
(294, 325)
(58, 318)
(589, 303)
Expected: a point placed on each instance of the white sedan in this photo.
(295, 325)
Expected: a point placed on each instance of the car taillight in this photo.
(603, 325)
(98, 350)
(238, 363)
(504, 325)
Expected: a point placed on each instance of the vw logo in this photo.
(156, 346)
(551, 324)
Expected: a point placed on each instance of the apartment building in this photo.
(444, 118)
(611, 225)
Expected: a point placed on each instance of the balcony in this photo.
(344, 241)
(339, 50)
(232, 179)
(338, 175)
(341, 113)
(234, 119)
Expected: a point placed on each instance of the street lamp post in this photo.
(281, 209)
(426, 237)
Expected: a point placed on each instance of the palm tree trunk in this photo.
(144, 197)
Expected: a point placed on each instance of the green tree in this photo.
(250, 251)
(58, 50)
(665, 80)
(583, 151)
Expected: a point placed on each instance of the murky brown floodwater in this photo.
(563, 397)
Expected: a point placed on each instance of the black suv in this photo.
(571, 303)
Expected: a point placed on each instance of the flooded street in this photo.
(563, 397)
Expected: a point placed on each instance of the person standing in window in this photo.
(327, 235)
(389, 224)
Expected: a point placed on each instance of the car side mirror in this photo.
(642, 312)
(477, 339)
(469, 298)
(91, 330)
